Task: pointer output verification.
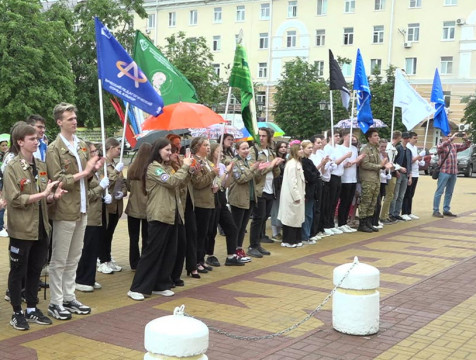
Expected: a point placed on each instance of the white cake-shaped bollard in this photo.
(356, 302)
(176, 337)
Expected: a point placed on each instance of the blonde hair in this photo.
(62, 108)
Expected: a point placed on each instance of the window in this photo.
(292, 9)
(413, 32)
(265, 10)
(348, 36)
(237, 36)
(291, 39)
(151, 21)
(216, 46)
(447, 96)
(240, 13)
(262, 70)
(216, 68)
(263, 40)
(446, 65)
(193, 17)
(379, 4)
(415, 3)
(410, 66)
(319, 67)
(261, 98)
(320, 37)
(349, 6)
(172, 19)
(378, 34)
(376, 66)
(451, 2)
(347, 69)
(321, 7)
(449, 30)
(217, 15)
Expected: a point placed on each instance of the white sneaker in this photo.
(299, 244)
(406, 217)
(315, 238)
(3, 233)
(105, 269)
(414, 217)
(164, 293)
(328, 232)
(84, 288)
(135, 295)
(378, 226)
(287, 245)
(309, 242)
(113, 266)
(336, 231)
(344, 229)
(97, 285)
(350, 229)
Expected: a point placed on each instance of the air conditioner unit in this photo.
(461, 127)
(460, 21)
(407, 44)
(147, 31)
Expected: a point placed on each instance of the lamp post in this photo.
(324, 105)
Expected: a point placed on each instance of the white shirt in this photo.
(268, 185)
(316, 159)
(335, 153)
(350, 173)
(415, 164)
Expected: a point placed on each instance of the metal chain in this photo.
(282, 332)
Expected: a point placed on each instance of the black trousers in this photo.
(181, 251)
(241, 217)
(347, 192)
(408, 198)
(325, 206)
(225, 219)
(106, 242)
(86, 271)
(155, 266)
(134, 228)
(317, 209)
(334, 192)
(27, 258)
(291, 235)
(204, 218)
(190, 237)
(261, 213)
(378, 207)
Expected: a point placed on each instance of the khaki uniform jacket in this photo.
(239, 192)
(202, 186)
(18, 184)
(261, 175)
(62, 166)
(116, 183)
(163, 192)
(369, 168)
(95, 194)
(137, 202)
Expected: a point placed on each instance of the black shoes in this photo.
(213, 261)
(267, 240)
(195, 276)
(449, 213)
(263, 251)
(254, 252)
(234, 261)
(19, 322)
(438, 214)
(364, 226)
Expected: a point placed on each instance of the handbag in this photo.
(436, 173)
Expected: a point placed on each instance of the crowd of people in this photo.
(73, 197)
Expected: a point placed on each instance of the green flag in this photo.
(241, 78)
(164, 77)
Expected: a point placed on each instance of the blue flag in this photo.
(440, 119)
(365, 118)
(121, 76)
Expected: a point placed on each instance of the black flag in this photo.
(337, 81)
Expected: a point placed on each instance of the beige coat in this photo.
(293, 191)
(95, 194)
(202, 186)
(137, 202)
(369, 168)
(239, 192)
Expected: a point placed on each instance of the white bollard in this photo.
(356, 303)
(176, 337)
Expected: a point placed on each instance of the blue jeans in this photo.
(445, 181)
(306, 226)
(399, 193)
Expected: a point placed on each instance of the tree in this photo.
(34, 73)
(297, 99)
(470, 113)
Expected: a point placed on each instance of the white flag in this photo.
(414, 107)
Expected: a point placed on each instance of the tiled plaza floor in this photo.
(428, 298)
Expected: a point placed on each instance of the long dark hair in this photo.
(276, 149)
(136, 169)
(158, 145)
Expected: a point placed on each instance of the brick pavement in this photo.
(428, 301)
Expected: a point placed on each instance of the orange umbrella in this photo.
(182, 115)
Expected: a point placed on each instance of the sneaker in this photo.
(234, 261)
(97, 285)
(113, 266)
(406, 217)
(309, 242)
(344, 229)
(58, 312)
(263, 251)
(328, 232)
(19, 322)
(213, 261)
(299, 244)
(414, 217)
(449, 213)
(242, 255)
(254, 253)
(387, 222)
(135, 295)
(288, 245)
(84, 288)
(438, 214)
(76, 307)
(105, 269)
(350, 229)
(164, 292)
(37, 316)
(322, 234)
(336, 231)
(379, 226)
(267, 240)
(278, 237)
(398, 217)
(315, 238)
(4, 233)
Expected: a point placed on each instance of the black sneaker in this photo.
(263, 251)
(38, 317)
(267, 240)
(76, 307)
(234, 261)
(253, 252)
(213, 261)
(19, 322)
(59, 312)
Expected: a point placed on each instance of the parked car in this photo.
(467, 161)
(433, 160)
(426, 158)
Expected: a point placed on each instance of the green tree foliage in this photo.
(297, 98)
(470, 113)
(34, 70)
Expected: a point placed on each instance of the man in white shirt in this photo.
(417, 160)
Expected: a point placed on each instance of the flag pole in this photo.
(124, 131)
(103, 132)
(352, 114)
(223, 128)
(331, 105)
(426, 132)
